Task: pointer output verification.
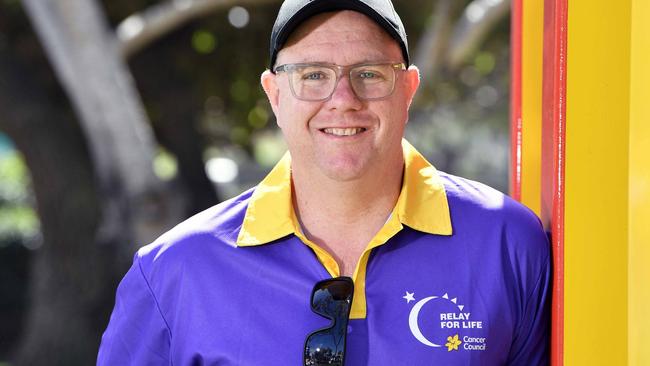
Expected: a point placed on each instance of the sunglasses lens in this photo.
(325, 348)
(331, 299)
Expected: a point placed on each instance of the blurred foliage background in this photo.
(215, 136)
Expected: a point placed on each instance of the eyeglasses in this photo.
(316, 82)
(331, 298)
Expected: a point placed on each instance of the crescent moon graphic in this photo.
(413, 322)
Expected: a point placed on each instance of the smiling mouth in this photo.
(343, 131)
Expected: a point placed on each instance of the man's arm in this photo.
(530, 345)
(137, 333)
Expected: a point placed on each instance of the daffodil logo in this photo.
(453, 343)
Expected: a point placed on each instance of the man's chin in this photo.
(344, 171)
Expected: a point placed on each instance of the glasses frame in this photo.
(340, 71)
(341, 322)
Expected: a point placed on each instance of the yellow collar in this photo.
(422, 203)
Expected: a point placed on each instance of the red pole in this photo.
(515, 99)
(553, 157)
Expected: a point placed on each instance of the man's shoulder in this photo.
(478, 206)
(217, 226)
(473, 196)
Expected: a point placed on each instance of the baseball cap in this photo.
(293, 12)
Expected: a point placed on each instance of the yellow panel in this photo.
(596, 200)
(639, 185)
(531, 102)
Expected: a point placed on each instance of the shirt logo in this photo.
(445, 319)
(453, 343)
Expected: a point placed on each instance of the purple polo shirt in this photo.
(459, 275)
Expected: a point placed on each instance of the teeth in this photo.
(343, 131)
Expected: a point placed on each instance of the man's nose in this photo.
(344, 96)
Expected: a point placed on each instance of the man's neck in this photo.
(343, 216)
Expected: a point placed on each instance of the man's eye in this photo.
(316, 75)
(367, 75)
(370, 75)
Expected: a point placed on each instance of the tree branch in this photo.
(432, 44)
(140, 29)
(478, 19)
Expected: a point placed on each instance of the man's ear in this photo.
(270, 86)
(412, 82)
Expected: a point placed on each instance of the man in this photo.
(444, 271)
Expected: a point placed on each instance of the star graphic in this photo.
(409, 297)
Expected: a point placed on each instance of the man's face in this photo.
(342, 138)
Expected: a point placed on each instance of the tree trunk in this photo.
(97, 197)
(84, 52)
(175, 122)
(69, 296)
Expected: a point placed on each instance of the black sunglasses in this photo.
(331, 298)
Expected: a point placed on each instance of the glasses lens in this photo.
(331, 299)
(312, 82)
(373, 81)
